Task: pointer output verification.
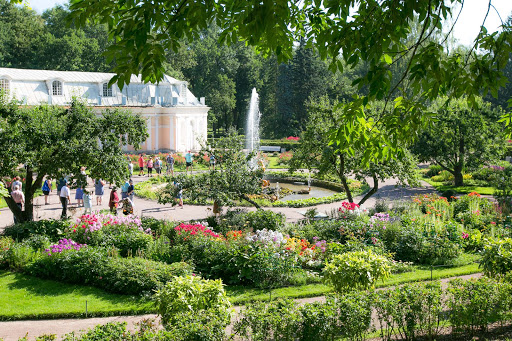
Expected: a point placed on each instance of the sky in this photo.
(465, 31)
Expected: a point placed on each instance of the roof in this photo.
(34, 87)
(70, 76)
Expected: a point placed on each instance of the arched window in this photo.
(4, 85)
(57, 88)
(107, 90)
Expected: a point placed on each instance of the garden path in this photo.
(143, 207)
(13, 330)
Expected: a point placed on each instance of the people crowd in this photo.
(84, 197)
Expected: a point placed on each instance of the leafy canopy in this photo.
(345, 32)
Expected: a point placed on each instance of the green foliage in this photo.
(277, 320)
(115, 331)
(53, 229)
(319, 320)
(128, 240)
(233, 178)
(37, 136)
(93, 266)
(355, 270)
(497, 257)
(19, 256)
(191, 294)
(255, 220)
(413, 309)
(464, 137)
(474, 304)
(5, 244)
(317, 151)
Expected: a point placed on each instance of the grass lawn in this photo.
(240, 295)
(461, 189)
(27, 297)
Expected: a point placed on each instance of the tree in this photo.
(462, 137)
(55, 141)
(345, 32)
(315, 152)
(234, 178)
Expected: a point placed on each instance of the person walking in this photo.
(99, 190)
(114, 200)
(19, 198)
(64, 199)
(131, 190)
(170, 164)
(212, 162)
(189, 159)
(157, 166)
(47, 188)
(124, 190)
(17, 182)
(79, 196)
(130, 166)
(141, 165)
(150, 167)
(179, 193)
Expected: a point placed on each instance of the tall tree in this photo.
(354, 32)
(55, 141)
(315, 152)
(462, 137)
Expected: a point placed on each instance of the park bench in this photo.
(270, 149)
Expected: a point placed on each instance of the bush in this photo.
(497, 257)
(240, 219)
(355, 270)
(433, 170)
(319, 320)
(191, 294)
(123, 233)
(277, 320)
(53, 229)
(413, 309)
(20, 256)
(322, 229)
(474, 304)
(5, 244)
(93, 266)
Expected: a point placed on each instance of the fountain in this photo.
(252, 130)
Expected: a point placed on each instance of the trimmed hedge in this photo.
(93, 266)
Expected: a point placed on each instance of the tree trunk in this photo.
(29, 190)
(255, 204)
(344, 180)
(457, 175)
(372, 191)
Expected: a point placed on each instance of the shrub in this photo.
(497, 257)
(322, 229)
(319, 320)
(93, 266)
(474, 304)
(191, 294)
(433, 170)
(355, 270)
(20, 256)
(53, 229)
(5, 244)
(413, 309)
(277, 320)
(265, 219)
(355, 314)
(124, 233)
(37, 242)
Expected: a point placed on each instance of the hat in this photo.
(114, 188)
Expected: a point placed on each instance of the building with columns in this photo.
(176, 119)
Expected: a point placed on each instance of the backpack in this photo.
(125, 187)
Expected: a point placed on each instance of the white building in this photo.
(175, 118)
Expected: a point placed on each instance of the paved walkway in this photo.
(143, 207)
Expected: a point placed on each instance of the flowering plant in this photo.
(234, 235)
(64, 244)
(95, 222)
(187, 230)
(266, 237)
(292, 138)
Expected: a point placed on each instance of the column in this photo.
(148, 141)
(157, 137)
